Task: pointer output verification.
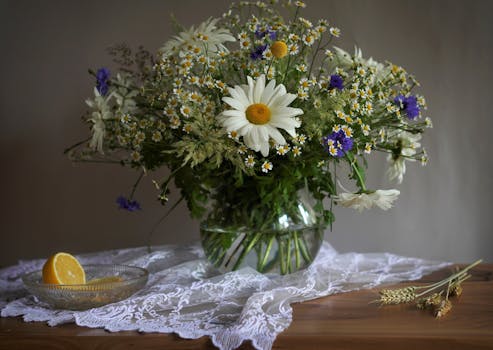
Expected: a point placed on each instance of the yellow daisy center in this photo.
(258, 114)
(279, 49)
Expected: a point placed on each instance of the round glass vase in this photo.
(286, 242)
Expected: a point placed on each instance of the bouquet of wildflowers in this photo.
(248, 109)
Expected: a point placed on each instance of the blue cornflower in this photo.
(409, 105)
(127, 204)
(260, 34)
(258, 53)
(337, 143)
(336, 82)
(102, 78)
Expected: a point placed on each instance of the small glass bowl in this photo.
(87, 296)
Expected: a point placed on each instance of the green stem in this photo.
(459, 275)
(297, 250)
(288, 255)
(281, 256)
(245, 251)
(76, 145)
(263, 262)
(304, 252)
(356, 171)
(236, 250)
(218, 261)
(159, 222)
(315, 56)
(136, 184)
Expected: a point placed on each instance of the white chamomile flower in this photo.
(259, 111)
(308, 39)
(250, 161)
(359, 201)
(233, 134)
(335, 32)
(302, 94)
(424, 160)
(185, 110)
(428, 122)
(135, 156)
(301, 138)
(242, 149)
(157, 136)
(296, 151)
(174, 122)
(301, 68)
(293, 37)
(125, 119)
(206, 32)
(282, 149)
(267, 166)
(293, 49)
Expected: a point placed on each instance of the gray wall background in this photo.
(48, 204)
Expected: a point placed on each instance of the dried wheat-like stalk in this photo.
(429, 296)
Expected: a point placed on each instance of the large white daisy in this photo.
(102, 112)
(206, 34)
(259, 111)
(397, 164)
(359, 201)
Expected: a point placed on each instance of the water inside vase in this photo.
(280, 252)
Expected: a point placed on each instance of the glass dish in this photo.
(120, 282)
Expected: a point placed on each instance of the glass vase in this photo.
(286, 240)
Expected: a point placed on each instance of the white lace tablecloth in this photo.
(185, 295)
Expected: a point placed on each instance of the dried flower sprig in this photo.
(433, 296)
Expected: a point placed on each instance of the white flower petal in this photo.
(250, 142)
(233, 113)
(259, 88)
(239, 94)
(276, 135)
(251, 87)
(234, 123)
(268, 92)
(264, 148)
(284, 123)
(244, 129)
(279, 91)
(235, 103)
(284, 100)
(255, 137)
(286, 112)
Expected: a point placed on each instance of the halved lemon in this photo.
(63, 268)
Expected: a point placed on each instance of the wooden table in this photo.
(345, 321)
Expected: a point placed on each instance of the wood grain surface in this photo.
(344, 321)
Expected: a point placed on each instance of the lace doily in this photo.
(187, 296)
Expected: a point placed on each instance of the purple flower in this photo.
(258, 53)
(409, 105)
(336, 82)
(337, 143)
(102, 78)
(127, 204)
(259, 34)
